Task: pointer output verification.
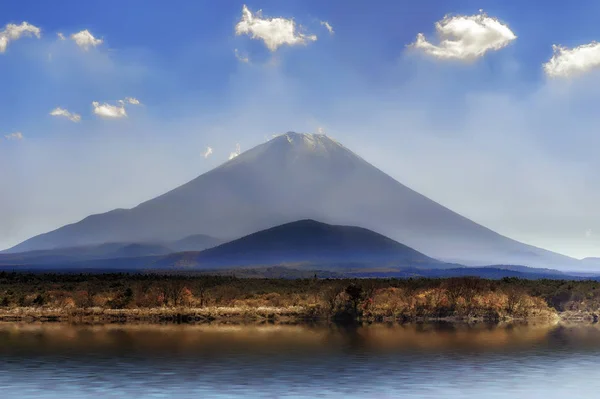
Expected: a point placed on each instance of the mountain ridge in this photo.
(111, 250)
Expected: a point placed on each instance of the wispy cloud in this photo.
(132, 100)
(13, 32)
(208, 152)
(61, 112)
(240, 57)
(14, 136)
(85, 39)
(274, 32)
(589, 233)
(237, 152)
(61, 36)
(110, 111)
(567, 62)
(328, 26)
(466, 37)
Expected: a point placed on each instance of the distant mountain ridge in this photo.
(301, 176)
(115, 250)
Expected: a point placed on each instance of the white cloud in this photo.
(466, 37)
(240, 57)
(132, 100)
(13, 32)
(114, 111)
(589, 233)
(320, 130)
(328, 26)
(208, 152)
(85, 39)
(237, 152)
(61, 112)
(110, 111)
(275, 32)
(566, 62)
(61, 36)
(14, 136)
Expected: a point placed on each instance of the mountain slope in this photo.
(84, 253)
(198, 242)
(300, 176)
(305, 241)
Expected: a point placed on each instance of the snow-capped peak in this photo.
(313, 141)
(293, 146)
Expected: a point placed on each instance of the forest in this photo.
(201, 298)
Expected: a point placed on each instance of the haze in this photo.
(503, 136)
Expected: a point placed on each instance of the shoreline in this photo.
(254, 316)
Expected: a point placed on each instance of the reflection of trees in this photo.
(215, 341)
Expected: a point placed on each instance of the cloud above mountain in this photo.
(14, 136)
(567, 62)
(465, 37)
(328, 26)
(14, 32)
(61, 112)
(235, 153)
(242, 58)
(274, 32)
(109, 111)
(132, 100)
(86, 40)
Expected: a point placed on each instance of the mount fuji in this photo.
(298, 176)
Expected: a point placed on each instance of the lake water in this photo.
(426, 361)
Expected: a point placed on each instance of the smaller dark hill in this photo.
(304, 241)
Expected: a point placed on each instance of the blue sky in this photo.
(493, 137)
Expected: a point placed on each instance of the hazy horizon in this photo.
(494, 136)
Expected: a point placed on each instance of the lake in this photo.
(411, 361)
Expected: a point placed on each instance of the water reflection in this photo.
(177, 340)
(293, 361)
